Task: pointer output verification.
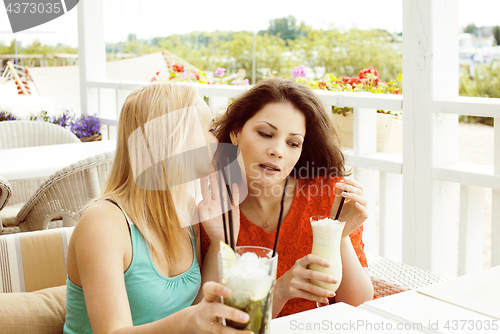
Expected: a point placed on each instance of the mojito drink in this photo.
(250, 274)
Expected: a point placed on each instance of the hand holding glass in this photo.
(327, 236)
(250, 274)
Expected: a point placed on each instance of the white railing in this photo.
(473, 179)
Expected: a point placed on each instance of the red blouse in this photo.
(313, 196)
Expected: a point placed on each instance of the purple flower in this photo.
(7, 116)
(85, 126)
(299, 72)
(65, 120)
(220, 71)
(246, 82)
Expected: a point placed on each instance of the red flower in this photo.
(350, 81)
(322, 85)
(178, 68)
(197, 76)
(396, 91)
(362, 74)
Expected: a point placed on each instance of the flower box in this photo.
(389, 132)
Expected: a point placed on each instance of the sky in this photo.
(157, 18)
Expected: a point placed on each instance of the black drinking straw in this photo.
(222, 207)
(229, 207)
(340, 208)
(281, 216)
(226, 180)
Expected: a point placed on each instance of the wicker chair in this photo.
(65, 193)
(5, 193)
(390, 277)
(17, 134)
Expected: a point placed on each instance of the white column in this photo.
(91, 51)
(470, 249)
(495, 201)
(365, 142)
(430, 71)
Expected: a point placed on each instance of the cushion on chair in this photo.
(33, 260)
(40, 312)
(9, 213)
(5, 192)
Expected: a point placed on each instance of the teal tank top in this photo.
(151, 295)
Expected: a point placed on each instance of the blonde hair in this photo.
(150, 175)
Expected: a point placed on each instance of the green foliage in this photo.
(286, 28)
(37, 48)
(8, 49)
(471, 29)
(483, 82)
(345, 54)
(496, 34)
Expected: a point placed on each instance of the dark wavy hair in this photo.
(321, 154)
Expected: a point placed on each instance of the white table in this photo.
(43, 161)
(432, 310)
(339, 318)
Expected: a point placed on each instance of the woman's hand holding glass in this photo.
(208, 312)
(210, 209)
(295, 282)
(354, 211)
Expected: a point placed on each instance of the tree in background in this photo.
(471, 29)
(496, 34)
(285, 27)
(8, 49)
(485, 82)
(36, 48)
(345, 54)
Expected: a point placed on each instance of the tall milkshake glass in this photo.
(250, 274)
(327, 236)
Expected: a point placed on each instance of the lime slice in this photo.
(228, 259)
(228, 255)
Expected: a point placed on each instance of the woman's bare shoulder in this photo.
(102, 220)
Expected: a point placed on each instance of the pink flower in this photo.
(299, 72)
(220, 71)
(246, 82)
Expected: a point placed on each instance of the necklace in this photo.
(266, 223)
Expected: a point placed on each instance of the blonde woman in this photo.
(133, 259)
